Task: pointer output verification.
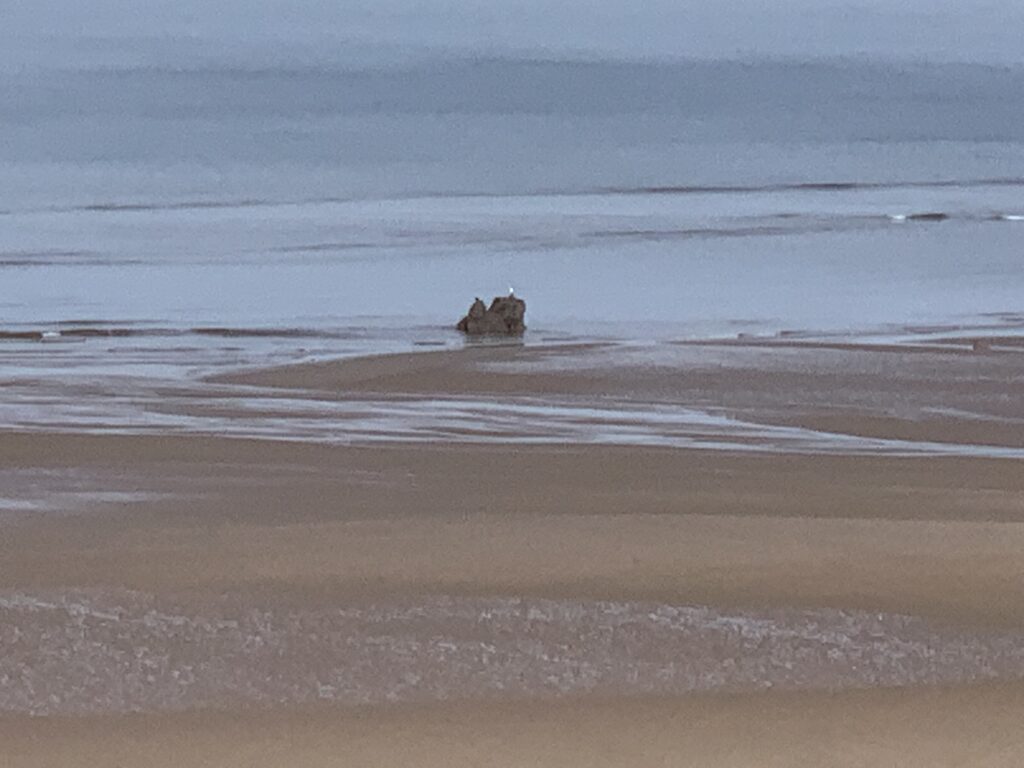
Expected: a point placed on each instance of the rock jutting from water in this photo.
(503, 318)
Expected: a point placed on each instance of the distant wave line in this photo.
(60, 330)
(670, 189)
(767, 225)
(814, 223)
(814, 186)
(174, 206)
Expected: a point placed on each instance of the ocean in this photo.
(166, 224)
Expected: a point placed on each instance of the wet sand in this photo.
(940, 392)
(930, 727)
(300, 526)
(943, 537)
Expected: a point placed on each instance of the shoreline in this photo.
(800, 397)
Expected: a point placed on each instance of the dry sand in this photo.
(937, 537)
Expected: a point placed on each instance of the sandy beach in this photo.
(721, 466)
(301, 528)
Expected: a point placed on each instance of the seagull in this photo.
(511, 291)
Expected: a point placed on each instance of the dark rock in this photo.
(503, 318)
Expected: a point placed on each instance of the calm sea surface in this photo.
(172, 223)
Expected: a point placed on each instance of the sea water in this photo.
(167, 223)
